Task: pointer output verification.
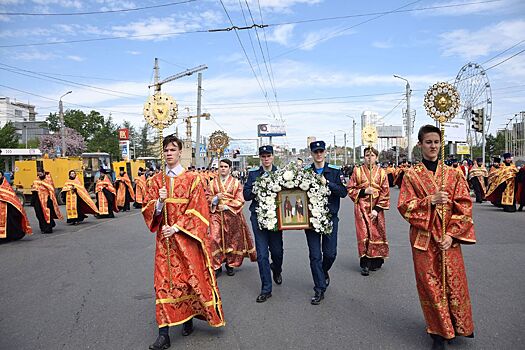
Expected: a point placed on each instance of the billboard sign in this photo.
(267, 130)
(245, 147)
(456, 131)
(390, 131)
(463, 148)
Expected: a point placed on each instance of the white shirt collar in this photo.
(174, 171)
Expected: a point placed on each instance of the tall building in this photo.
(23, 117)
(13, 111)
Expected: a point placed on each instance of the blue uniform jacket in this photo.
(338, 189)
(248, 186)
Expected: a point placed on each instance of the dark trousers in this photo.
(323, 250)
(476, 186)
(265, 241)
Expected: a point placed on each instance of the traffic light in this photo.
(477, 120)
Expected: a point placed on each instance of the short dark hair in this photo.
(427, 129)
(171, 139)
(227, 161)
(371, 149)
(71, 171)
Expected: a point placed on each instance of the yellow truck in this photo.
(25, 173)
(131, 167)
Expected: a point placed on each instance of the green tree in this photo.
(145, 141)
(8, 136)
(99, 132)
(105, 140)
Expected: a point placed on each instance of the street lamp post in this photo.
(62, 127)
(409, 118)
(353, 138)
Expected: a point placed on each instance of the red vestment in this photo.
(140, 189)
(8, 198)
(230, 235)
(371, 234)
(419, 184)
(103, 203)
(121, 190)
(46, 191)
(194, 289)
(73, 190)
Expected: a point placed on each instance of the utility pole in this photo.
(346, 152)
(408, 93)
(353, 140)
(62, 126)
(198, 159)
(335, 151)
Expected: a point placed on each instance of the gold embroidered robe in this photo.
(502, 185)
(103, 203)
(194, 289)
(46, 191)
(123, 183)
(9, 199)
(480, 173)
(140, 189)
(231, 240)
(371, 234)
(73, 190)
(419, 184)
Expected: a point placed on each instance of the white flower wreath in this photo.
(291, 176)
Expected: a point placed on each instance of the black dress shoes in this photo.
(316, 299)
(365, 271)
(187, 327)
(438, 342)
(263, 297)
(229, 271)
(162, 343)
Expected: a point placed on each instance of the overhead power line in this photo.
(95, 12)
(236, 28)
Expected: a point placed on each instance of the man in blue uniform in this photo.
(323, 248)
(265, 240)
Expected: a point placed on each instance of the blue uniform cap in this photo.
(266, 150)
(317, 145)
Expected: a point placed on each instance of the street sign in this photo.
(455, 130)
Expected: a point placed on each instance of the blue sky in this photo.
(321, 71)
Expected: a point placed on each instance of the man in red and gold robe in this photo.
(230, 235)
(477, 176)
(14, 224)
(502, 186)
(45, 203)
(185, 284)
(106, 194)
(370, 192)
(125, 193)
(420, 202)
(77, 199)
(140, 189)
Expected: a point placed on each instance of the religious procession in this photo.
(289, 193)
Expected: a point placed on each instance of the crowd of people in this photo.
(199, 225)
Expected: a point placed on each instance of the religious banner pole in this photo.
(160, 111)
(218, 142)
(369, 137)
(442, 104)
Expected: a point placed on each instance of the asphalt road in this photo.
(91, 287)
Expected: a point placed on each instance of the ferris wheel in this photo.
(475, 96)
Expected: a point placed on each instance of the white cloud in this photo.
(382, 44)
(33, 55)
(474, 44)
(314, 38)
(282, 34)
(271, 5)
(63, 3)
(470, 8)
(134, 53)
(75, 58)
